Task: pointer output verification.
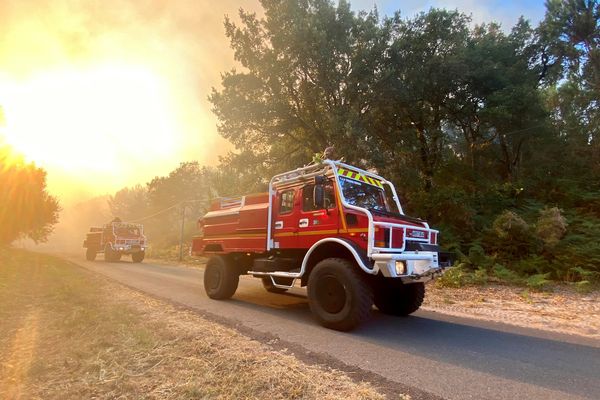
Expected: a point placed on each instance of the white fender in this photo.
(344, 243)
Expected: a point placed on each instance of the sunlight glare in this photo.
(106, 119)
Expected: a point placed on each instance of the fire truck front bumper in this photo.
(413, 266)
(128, 248)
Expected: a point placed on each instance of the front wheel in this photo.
(338, 294)
(221, 278)
(109, 254)
(399, 300)
(138, 257)
(90, 254)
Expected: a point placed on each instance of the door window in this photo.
(308, 198)
(286, 202)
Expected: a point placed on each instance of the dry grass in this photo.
(563, 310)
(68, 334)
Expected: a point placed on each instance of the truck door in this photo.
(317, 221)
(285, 218)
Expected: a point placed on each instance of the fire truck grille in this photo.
(130, 242)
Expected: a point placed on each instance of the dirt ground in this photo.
(561, 310)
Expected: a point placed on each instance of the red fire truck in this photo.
(115, 239)
(335, 228)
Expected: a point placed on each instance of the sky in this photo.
(507, 12)
(106, 97)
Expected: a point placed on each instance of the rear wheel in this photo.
(338, 295)
(90, 254)
(397, 299)
(269, 287)
(221, 278)
(138, 257)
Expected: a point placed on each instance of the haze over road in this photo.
(455, 358)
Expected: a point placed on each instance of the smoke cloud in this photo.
(182, 41)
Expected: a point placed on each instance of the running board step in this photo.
(279, 274)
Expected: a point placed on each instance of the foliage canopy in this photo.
(490, 134)
(26, 209)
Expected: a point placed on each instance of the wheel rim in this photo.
(331, 294)
(213, 278)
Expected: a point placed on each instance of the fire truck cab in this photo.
(337, 229)
(116, 239)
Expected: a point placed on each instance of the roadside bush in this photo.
(509, 225)
(478, 277)
(447, 208)
(577, 274)
(455, 277)
(583, 287)
(506, 275)
(511, 237)
(477, 258)
(551, 227)
(578, 254)
(534, 264)
(538, 281)
(461, 275)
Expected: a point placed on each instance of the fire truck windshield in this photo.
(127, 231)
(362, 194)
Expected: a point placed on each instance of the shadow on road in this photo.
(557, 365)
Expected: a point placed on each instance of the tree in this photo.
(422, 74)
(505, 83)
(129, 203)
(26, 208)
(307, 81)
(471, 123)
(571, 31)
(187, 189)
(571, 28)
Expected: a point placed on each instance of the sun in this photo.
(107, 120)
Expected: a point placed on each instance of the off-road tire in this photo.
(138, 257)
(338, 294)
(90, 254)
(109, 254)
(268, 285)
(399, 300)
(221, 278)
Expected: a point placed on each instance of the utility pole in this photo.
(183, 205)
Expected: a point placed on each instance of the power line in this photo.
(156, 214)
(166, 209)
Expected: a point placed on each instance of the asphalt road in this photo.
(455, 358)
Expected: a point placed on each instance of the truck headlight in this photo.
(400, 267)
